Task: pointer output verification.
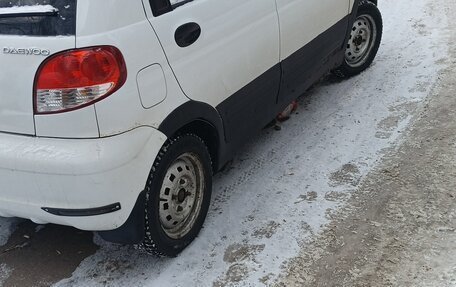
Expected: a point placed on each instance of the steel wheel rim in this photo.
(181, 195)
(361, 41)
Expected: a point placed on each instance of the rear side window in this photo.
(38, 17)
(160, 7)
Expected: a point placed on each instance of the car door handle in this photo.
(187, 34)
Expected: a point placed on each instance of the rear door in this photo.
(30, 31)
(311, 31)
(234, 63)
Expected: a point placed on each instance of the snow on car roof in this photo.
(28, 9)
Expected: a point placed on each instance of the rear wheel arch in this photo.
(208, 133)
(199, 119)
(374, 1)
(360, 2)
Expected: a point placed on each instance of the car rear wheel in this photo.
(363, 42)
(178, 195)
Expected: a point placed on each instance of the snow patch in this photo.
(7, 227)
(5, 272)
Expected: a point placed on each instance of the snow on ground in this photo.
(7, 226)
(4, 273)
(282, 187)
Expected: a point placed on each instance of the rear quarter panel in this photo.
(125, 26)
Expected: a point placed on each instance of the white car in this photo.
(115, 115)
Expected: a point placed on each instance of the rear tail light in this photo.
(77, 78)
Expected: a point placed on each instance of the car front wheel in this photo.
(363, 42)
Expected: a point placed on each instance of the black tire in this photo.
(368, 16)
(158, 239)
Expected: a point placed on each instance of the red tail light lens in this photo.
(77, 78)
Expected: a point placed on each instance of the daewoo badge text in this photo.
(26, 51)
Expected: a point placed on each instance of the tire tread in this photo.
(148, 245)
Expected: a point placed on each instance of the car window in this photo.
(160, 7)
(38, 17)
(177, 3)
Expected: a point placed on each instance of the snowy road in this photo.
(281, 189)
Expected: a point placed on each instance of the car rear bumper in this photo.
(90, 184)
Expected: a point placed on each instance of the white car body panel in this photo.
(139, 53)
(301, 21)
(239, 42)
(81, 123)
(79, 173)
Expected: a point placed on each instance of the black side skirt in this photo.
(250, 109)
(84, 212)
